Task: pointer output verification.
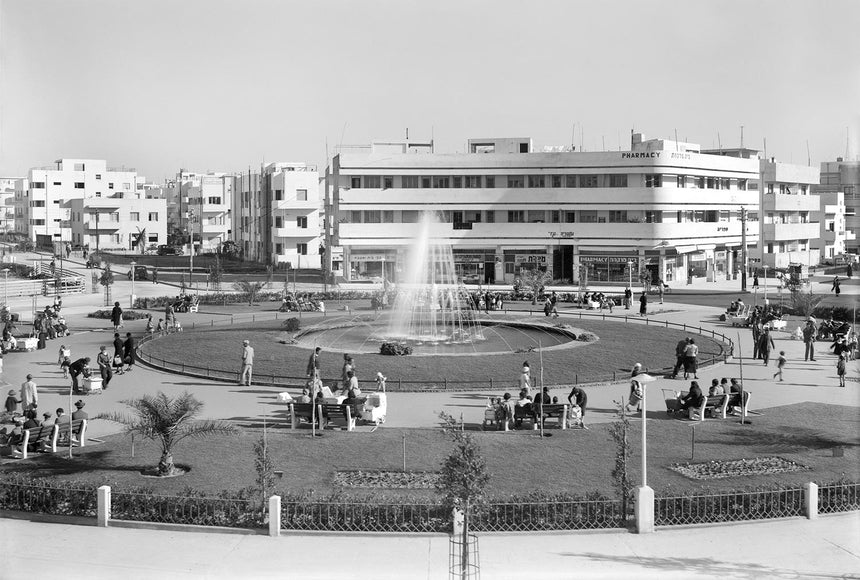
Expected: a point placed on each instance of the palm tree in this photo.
(249, 288)
(168, 421)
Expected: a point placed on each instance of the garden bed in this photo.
(737, 468)
(386, 479)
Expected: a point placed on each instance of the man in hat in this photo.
(247, 363)
(104, 360)
(809, 331)
(526, 379)
(76, 369)
(79, 411)
(313, 369)
(29, 394)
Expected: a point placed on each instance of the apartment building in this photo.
(7, 202)
(118, 223)
(844, 176)
(204, 207)
(662, 207)
(833, 235)
(42, 201)
(280, 215)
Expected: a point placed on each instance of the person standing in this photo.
(116, 316)
(128, 351)
(155, 275)
(347, 366)
(29, 394)
(169, 316)
(578, 398)
(526, 378)
(756, 328)
(643, 304)
(755, 280)
(117, 353)
(679, 355)
(104, 361)
(628, 298)
(840, 368)
(313, 369)
(637, 389)
(691, 359)
(766, 345)
(247, 363)
(660, 289)
(809, 332)
(837, 286)
(849, 271)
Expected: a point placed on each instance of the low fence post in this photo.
(275, 516)
(810, 500)
(103, 498)
(644, 506)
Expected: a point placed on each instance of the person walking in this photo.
(29, 394)
(835, 285)
(809, 332)
(840, 368)
(637, 390)
(117, 353)
(116, 316)
(691, 359)
(780, 364)
(526, 378)
(169, 316)
(104, 360)
(313, 369)
(128, 351)
(155, 275)
(643, 304)
(247, 363)
(628, 298)
(660, 289)
(679, 355)
(838, 286)
(766, 345)
(755, 280)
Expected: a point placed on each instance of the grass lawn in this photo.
(520, 463)
(620, 346)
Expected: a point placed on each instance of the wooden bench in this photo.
(328, 412)
(734, 401)
(717, 405)
(556, 411)
(49, 435)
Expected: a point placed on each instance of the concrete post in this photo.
(811, 500)
(103, 515)
(644, 510)
(275, 516)
(459, 520)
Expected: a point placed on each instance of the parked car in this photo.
(139, 273)
(165, 250)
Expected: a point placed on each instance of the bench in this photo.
(49, 436)
(194, 308)
(777, 324)
(717, 405)
(328, 411)
(556, 411)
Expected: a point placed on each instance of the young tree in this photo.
(216, 274)
(535, 280)
(463, 478)
(264, 467)
(249, 288)
(106, 280)
(620, 432)
(804, 303)
(168, 421)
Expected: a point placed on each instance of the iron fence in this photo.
(409, 385)
(40, 497)
(337, 516)
(188, 510)
(838, 497)
(549, 515)
(728, 507)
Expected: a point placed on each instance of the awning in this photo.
(695, 248)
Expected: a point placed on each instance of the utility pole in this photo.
(191, 245)
(743, 249)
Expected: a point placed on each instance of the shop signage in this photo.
(468, 258)
(698, 257)
(530, 258)
(655, 155)
(561, 234)
(368, 257)
(720, 255)
(609, 259)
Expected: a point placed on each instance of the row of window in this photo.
(81, 185)
(464, 219)
(794, 246)
(301, 195)
(539, 181)
(301, 249)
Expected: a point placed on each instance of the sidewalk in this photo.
(828, 547)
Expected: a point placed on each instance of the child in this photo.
(177, 327)
(149, 326)
(160, 327)
(11, 403)
(780, 363)
(64, 353)
(840, 368)
(67, 362)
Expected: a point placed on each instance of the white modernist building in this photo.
(843, 176)
(43, 201)
(8, 186)
(662, 207)
(119, 222)
(204, 208)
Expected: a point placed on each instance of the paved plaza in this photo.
(794, 548)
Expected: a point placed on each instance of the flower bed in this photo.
(126, 314)
(737, 467)
(387, 479)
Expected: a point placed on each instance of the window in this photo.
(804, 217)
(724, 215)
(388, 217)
(302, 222)
(769, 188)
(372, 216)
(710, 183)
(516, 217)
(301, 195)
(570, 217)
(473, 181)
(537, 216)
(742, 184)
(372, 182)
(409, 216)
(355, 182)
(770, 247)
(804, 189)
(355, 216)
(441, 182)
(38, 185)
(409, 181)
(537, 181)
(425, 183)
(37, 203)
(490, 180)
(79, 185)
(653, 180)
(682, 181)
(80, 167)
(98, 176)
(491, 217)
(152, 238)
(279, 221)
(570, 180)
(153, 216)
(58, 183)
(588, 217)
(781, 247)
(618, 216)
(302, 249)
(279, 249)
(711, 216)
(555, 180)
(587, 181)
(783, 189)
(458, 181)
(116, 238)
(126, 186)
(617, 181)
(279, 195)
(387, 182)
(216, 200)
(134, 216)
(110, 185)
(516, 181)
(554, 216)
(700, 182)
(653, 217)
(37, 222)
(98, 194)
(727, 183)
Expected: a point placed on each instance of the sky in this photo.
(215, 85)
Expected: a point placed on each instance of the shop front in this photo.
(524, 259)
(605, 268)
(372, 266)
(475, 266)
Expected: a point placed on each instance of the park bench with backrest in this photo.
(347, 414)
(716, 405)
(556, 411)
(47, 437)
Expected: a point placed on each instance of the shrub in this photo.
(292, 324)
(395, 349)
(126, 314)
(837, 312)
(587, 337)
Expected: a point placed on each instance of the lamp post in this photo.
(5, 285)
(630, 274)
(131, 301)
(764, 266)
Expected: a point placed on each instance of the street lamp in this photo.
(133, 264)
(630, 274)
(765, 284)
(191, 246)
(5, 284)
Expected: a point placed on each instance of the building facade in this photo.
(844, 176)
(661, 208)
(280, 215)
(205, 208)
(7, 202)
(118, 223)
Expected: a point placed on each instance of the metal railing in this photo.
(409, 385)
(188, 510)
(551, 515)
(48, 499)
(838, 497)
(728, 507)
(356, 516)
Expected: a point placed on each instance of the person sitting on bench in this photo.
(694, 398)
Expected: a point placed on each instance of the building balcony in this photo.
(775, 232)
(94, 204)
(294, 232)
(103, 226)
(781, 202)
(296, 205)
(211, 228)
(212, 207)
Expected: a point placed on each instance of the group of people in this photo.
(49, 323)
(308, 303)
(686, 356)
(844, 345)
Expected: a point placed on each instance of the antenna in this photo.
(581, 138)
(676, 140)
(603, 137)
(573, 137)
(720, 142)
(764, 142)
(808, 160)
(742, 136)
(846, 143)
